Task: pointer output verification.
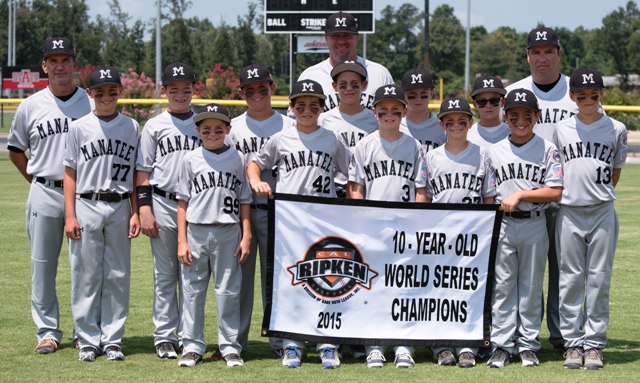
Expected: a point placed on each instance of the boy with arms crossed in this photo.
(214, 235)
(384, 147)
(101, 217)
(467, 165)
(528, 177)
(313, 177)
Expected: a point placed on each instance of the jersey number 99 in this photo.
(231, 205)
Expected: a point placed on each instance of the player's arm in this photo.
(542, 195)
(615, 177)
(356, 190)
(148, 223)
(134, 221)
(421, 195)
(71, 226)
(261, 188)
(184, 252)
(489, 200)
(242, 252)
(20, 161)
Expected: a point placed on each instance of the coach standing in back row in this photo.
(40, 126)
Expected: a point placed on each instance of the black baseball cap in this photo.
(417, 78)
(104, 75)
(216, 111)
(307, 88)
(254, 73)
(176, 72)
(58, 46)
(389, 92)
(349, 66)
(341, 22)
(487, 84)
(454, 105)
(543, 36)
(585, 78)
(521, 98)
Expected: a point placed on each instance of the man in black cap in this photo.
(40, 125)
(341, 33)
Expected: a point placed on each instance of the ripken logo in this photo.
(332, 268)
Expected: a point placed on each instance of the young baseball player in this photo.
(324, 153)
(40, 126)
(350, 120)
(251, 131)
(101, 217)
(488, 95)
(165, 140)
(214, 235)
(466, 164)
(384, 148)
(528, 177)
(419, 122)
(593, 150)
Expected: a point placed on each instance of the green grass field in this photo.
(18, 362)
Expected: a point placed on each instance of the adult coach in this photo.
(341, 33)
(552, 90)
(40, 125)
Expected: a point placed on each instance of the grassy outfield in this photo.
(18, 362)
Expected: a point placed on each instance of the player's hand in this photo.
(261, 188)
(148, 223)
(242, 252)
(184, 254)
(510, 203)
(72, 228)
(134, 225)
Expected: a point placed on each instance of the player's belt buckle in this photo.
(105, 197)
(260, 206)
(49, 183)
(164, 194)
(524, 214)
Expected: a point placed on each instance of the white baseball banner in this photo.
(368, 272)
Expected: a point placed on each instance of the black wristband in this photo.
(144, 195)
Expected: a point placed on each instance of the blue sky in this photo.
(522, 15)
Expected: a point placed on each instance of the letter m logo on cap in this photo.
(587, 78)
(488, 83)
(57, 44)
(105, 73)
(389, 90)
(178, 70)
(341, 22)
(454, 104)
(212, 108)
(521, 97)
(416, 78)
(307, 87)
(251, 73)
(541, 35)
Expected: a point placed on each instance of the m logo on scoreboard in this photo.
(332, 269)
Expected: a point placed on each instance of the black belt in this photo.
(164, 194)
(525, 214)
(106, 197)
(259, 206)
(46, 182)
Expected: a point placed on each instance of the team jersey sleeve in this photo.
(621, 145)
(488, 185)
(356, 173)
(70, 158)
(267, 157)
(420, 168)
(146, 150)
(245, 194)
(18, 133)
(553, 177)
(183, 189)
(428, 166)
(343, 156)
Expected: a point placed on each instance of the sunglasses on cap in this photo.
(483, 102)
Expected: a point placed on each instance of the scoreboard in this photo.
(308, 16)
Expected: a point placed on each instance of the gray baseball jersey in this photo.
(589, 153)
(484, 137)
(428, 132)
(458, 178)
(305, 162)
(163, 144)
(389, 171)
(102, 153)
(555, 105)
(377, 76)
(40, 125)
(214, 185)
(533, 165)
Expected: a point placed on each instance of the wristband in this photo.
(144, 195)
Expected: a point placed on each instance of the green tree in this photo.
(447, 38)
